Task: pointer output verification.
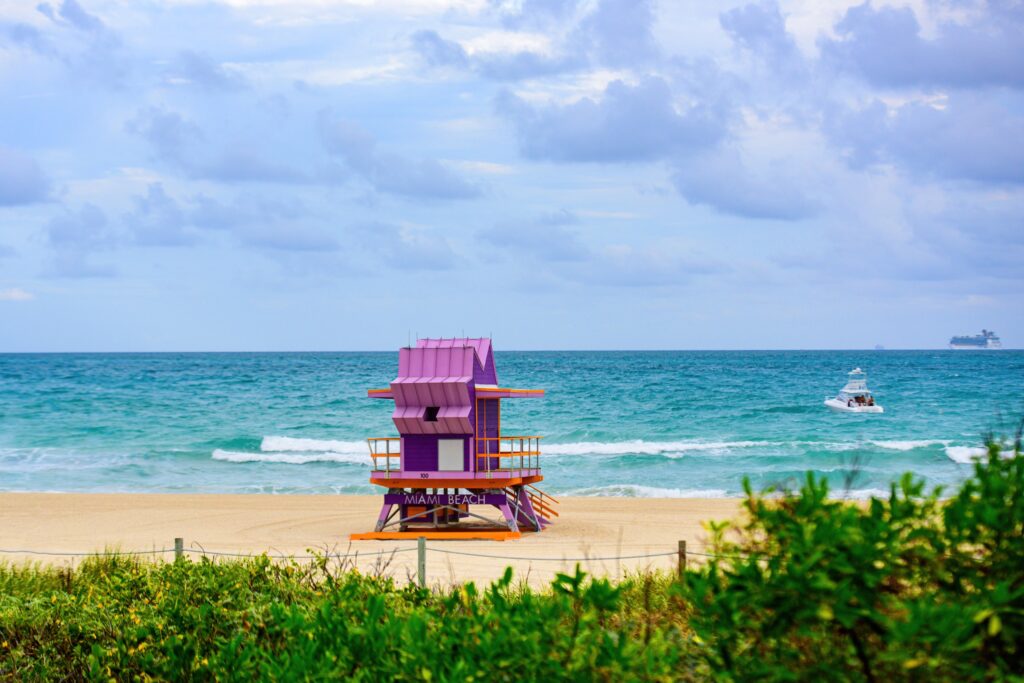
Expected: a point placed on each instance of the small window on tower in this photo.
(431, 414)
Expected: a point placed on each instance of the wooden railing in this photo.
(385, 448)
(496, 453)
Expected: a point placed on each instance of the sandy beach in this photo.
(293, 524)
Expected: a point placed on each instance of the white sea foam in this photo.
(300, 450)
(861, 494)
(640, 447)
(909, 445)
(964, 454)
(638, 491)
(837, 446)
(302, 445)
(290, 458)
(33, 460)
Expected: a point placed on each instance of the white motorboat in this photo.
(855, 397)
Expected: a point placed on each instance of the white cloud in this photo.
(573, 87)
(406, 7)
(508, 42)
(15, 294)
(327, 72)
(488, 167)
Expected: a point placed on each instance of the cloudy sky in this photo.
(315, 175)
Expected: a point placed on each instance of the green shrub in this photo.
(124, 619)
(908, 588)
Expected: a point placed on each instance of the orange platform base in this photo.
(453, 535)
(475, 484)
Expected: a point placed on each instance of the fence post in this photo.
(682, 558)
(421, 561)
(179, 548)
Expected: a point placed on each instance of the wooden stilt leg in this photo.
(383, 518)
(510, 519)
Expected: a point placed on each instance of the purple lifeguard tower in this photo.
(451, 457)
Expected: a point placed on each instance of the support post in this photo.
(179, 548)
(421, 561)
(682, 558)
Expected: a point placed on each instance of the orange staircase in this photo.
(543, 503)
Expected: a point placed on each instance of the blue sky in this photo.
(313, 175)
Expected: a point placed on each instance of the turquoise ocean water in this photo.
(615, 423)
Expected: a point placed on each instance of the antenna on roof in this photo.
(408, 338)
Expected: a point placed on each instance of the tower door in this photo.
(451, 455)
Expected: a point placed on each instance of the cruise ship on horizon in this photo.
(986, 340)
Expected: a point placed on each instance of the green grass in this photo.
(913, 587)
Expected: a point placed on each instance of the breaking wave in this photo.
(964, 455)
(640, 447)
(290, 458)
(300, 450)
(294, 444)
(638, 491)
(908, 445)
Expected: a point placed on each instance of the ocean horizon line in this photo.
(549, 350)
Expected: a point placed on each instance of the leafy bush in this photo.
(915, 587)
(124, 619)
(912, 587)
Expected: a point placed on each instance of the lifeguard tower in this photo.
(451, 461)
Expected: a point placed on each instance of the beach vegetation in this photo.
(920, 585)
(910, 587)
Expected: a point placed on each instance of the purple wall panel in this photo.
(493, 415)
(487, 421)
(419, 452)
(484, 371)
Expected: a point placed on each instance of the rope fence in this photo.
(281, 556)
(197, 551)
(556, 559)
(55, 553)
(180, 551)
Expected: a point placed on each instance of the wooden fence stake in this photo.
(179, 548)
(682, 558)
(421, 561)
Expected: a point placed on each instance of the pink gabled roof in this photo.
(482, 345)
(451, 362)
(484, 370)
